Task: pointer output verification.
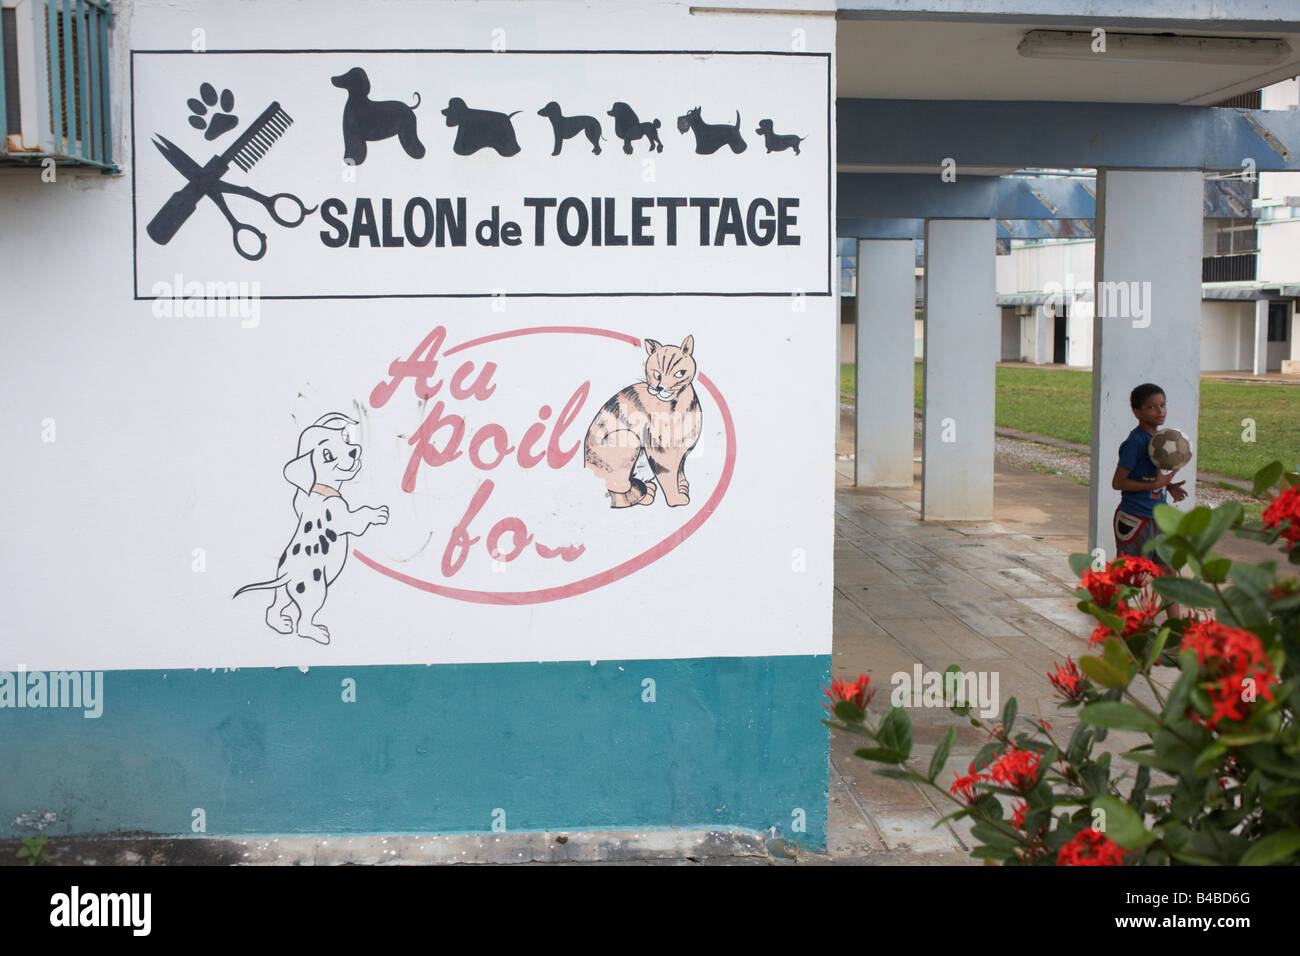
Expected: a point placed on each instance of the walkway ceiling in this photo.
(939, 60)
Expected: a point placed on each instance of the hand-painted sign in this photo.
(371, 187)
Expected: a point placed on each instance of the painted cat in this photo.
(660, 417)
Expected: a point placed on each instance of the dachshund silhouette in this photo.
(566, 126)
(480, 129)
(366, 120)
(778, 141)
(709, 138)
(629, 128)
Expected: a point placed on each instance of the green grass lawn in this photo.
(1057, 402)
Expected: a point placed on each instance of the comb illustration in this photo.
(206, 180)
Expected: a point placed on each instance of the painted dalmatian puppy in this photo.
(315, 555)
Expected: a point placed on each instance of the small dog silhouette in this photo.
(778, 141)
(709, 138)
(629, 128)
(480, 129)
(366, 120)
(566, 126)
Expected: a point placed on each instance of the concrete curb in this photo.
(593, 846)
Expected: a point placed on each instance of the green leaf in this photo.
(1185, 591)
(1255, 580)
(1267, 476)
(1176, 702)
(1194, 522)
(1009, 715)
(1274, 848)
(1119, 716)
(1101, 673)
(1157, 647)
(1168, 518)
(941, 753)
(1123, 824)
(901, 773)
(1209, 758)
(1216, 569)
(1080, 563)
(993, 853)
(1224, 517)
(895, 732)
(1116, 656)
(993, 836)
(882, 754)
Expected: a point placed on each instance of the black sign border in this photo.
(830, 159)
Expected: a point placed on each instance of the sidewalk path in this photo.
(988, 596)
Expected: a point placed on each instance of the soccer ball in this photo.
(1169, 449)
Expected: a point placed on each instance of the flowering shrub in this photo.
(1217, 779)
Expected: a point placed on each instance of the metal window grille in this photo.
(69, 73)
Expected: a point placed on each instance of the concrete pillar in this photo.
(1147, 319)
(1259, 362)
(1295, 331)
(886, 344)
(1044, 334)
(962, 343)
(839, 334)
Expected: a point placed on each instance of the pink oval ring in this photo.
(618, 571)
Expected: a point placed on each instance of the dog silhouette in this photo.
(629, 128)
(778, 141)
(565, 127)
(366, 120)
(480, 129)
(709, 138)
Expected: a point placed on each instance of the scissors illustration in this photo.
(207, 181)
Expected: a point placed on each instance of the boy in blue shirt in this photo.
(1140, 481)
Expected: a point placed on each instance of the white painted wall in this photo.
(1221, 334)
(1279, 250)
(1030, 268)
(1010, 325)
(172, 432)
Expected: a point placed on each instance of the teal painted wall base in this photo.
(726, 743)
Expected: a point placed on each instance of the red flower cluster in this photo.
(964, 787)
(1124, 571)
(1090, 848)
(1018, 811)
(858, 692)
(1139, 612)
(1067, 680)
(1229, 657)
(1016, 770)
(1285, 507)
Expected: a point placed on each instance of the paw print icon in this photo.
(218, 122)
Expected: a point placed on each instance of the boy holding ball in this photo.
(1140, 481)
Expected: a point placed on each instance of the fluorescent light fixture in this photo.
(1152, 48)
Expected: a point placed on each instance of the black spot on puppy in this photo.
(329, 533)
(327, 515)
(318, 522)
(324, 545)
(301, 587)
(315, 574)
(296, 547)
(306, 527)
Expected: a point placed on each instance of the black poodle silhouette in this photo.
(480, 129)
